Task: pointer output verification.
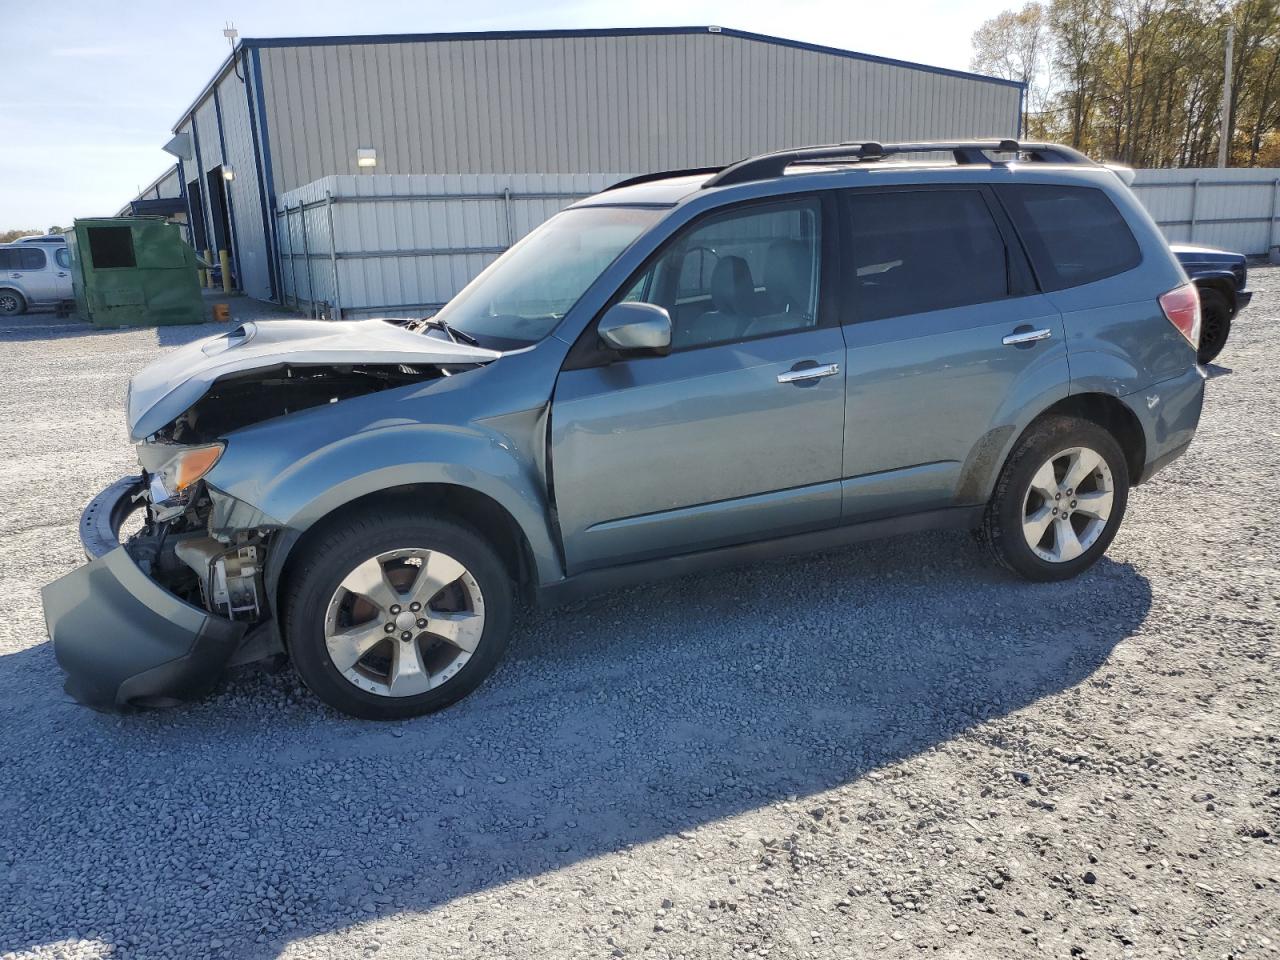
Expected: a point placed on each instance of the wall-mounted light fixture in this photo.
(366, 157)
(228, 172)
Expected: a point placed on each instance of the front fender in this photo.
(297, 493)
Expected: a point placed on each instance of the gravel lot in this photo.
(891, 749)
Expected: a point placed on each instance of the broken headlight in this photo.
(180, 472)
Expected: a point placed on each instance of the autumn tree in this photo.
(1012, 46)
(1141, 80)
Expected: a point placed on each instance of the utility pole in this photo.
(1224, 139)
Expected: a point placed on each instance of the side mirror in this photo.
(636, 328)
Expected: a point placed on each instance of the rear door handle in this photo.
(62, 274)
(800, 374)
(1019, 337)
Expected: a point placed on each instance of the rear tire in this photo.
(1059, 500)
(1215, 324)
(391, 614)
(12, 303)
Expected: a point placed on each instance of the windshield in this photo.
(523, 294)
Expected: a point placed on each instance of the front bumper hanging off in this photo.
(121, 637)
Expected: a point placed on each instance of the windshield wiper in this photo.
(453, 333)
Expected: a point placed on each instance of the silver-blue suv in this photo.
(796, 351)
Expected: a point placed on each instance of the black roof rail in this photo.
(769, 165)
(661, 175)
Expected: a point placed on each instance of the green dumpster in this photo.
(134, 272)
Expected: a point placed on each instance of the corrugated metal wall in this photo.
(587, 104)
(170, 185)
(243, 192)
(403, 245)
(1234, 208)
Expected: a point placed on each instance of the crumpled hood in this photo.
(168, 387)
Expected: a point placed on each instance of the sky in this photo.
(94, 87)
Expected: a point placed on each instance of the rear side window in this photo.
(22, 258)
(917, 251)
(1074, 235)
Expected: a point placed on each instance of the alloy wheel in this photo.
(8, 304)
(1067, 505)
(404, 622)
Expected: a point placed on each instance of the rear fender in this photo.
(1034, 394)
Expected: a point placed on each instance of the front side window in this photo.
(1074, 235)
(739, 275)
(63, 256)
(525, 293)
(917, 251)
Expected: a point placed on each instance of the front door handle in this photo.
(1019, 337)
(62, 274)
(809, 373)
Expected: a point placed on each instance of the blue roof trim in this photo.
(267, 42)
(621, 32)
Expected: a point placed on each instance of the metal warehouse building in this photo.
(525, 108)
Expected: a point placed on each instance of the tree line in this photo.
(1140, 81)
(8, 236)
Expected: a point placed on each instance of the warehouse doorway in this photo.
(195, 196)
(219, 209)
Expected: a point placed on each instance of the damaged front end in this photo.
(155, 619)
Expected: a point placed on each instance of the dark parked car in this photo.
(1222, 277)
(799, 350)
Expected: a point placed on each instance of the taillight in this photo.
(1181, 306)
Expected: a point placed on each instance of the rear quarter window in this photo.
(1074, 235)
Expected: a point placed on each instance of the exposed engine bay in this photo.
(184, 556)
(178, 549)
(253, 396)
(182, 545)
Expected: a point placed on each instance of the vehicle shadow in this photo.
(265, 818)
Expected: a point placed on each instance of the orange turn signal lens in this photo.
(189, 466)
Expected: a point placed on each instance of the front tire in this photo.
(12, 303)
(1059, 500)
(392, 615)
(1215, 324)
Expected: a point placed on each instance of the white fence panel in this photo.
(401, 245)
(1235, 208)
